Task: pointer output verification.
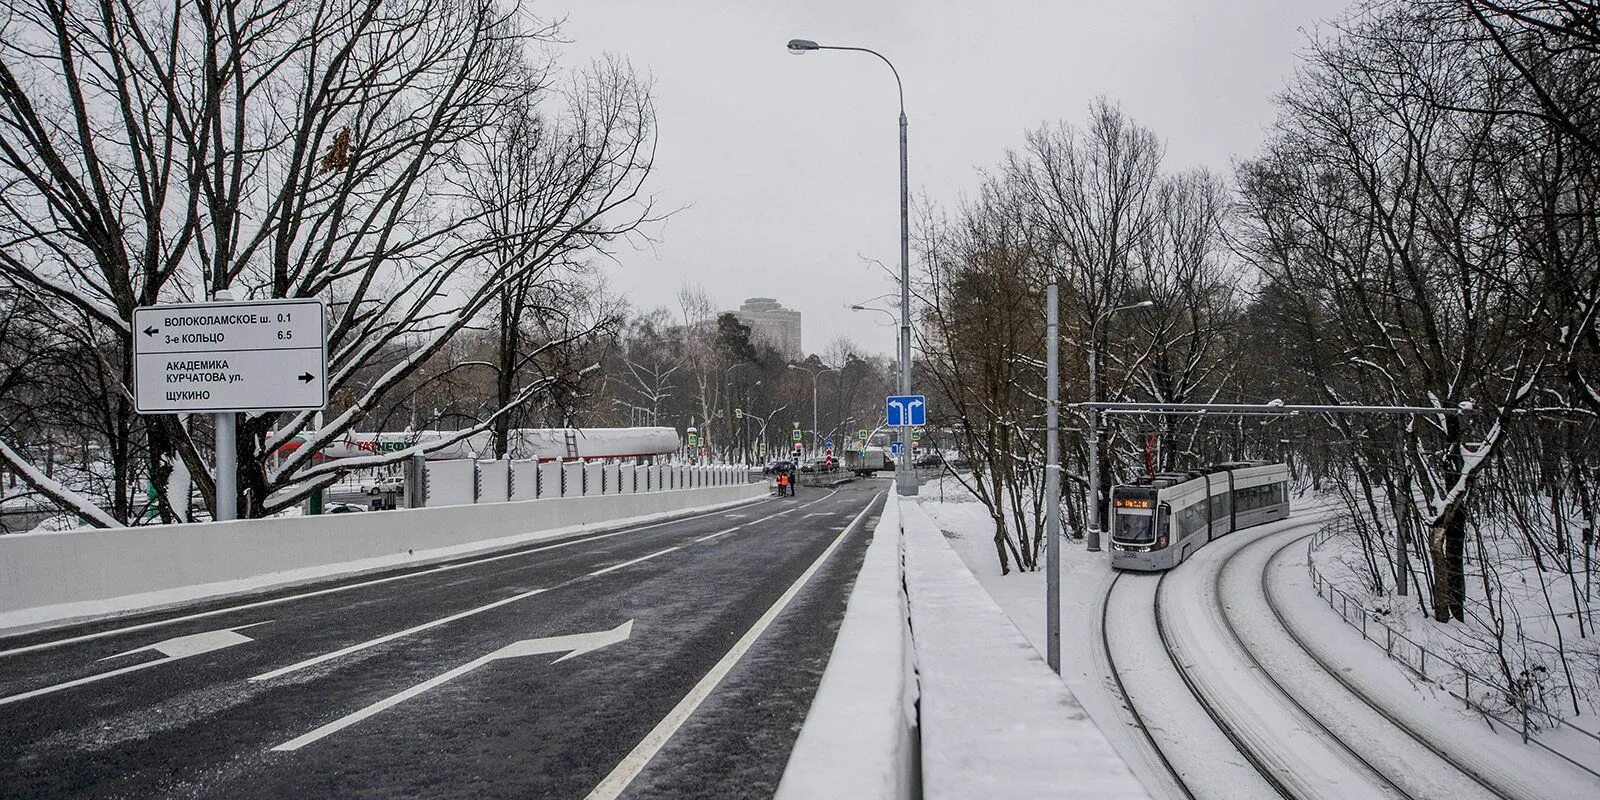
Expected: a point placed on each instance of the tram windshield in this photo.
(1134, 528)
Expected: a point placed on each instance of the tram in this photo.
(1162, 519)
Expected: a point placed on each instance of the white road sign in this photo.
(264, 355)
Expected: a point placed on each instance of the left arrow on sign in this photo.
(174, 649)
(573, 645)
(151, 331)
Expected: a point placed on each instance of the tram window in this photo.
(1135, 528)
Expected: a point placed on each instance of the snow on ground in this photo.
(1427, 707)
(1086, 578)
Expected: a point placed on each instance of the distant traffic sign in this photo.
(910, 409)
(796, 435)
(263, 355)
(828, 443)
(894, 447)
(863, 435)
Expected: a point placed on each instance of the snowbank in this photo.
(49, 579)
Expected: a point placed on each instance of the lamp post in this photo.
(1095, 506)
(815, 374)
(905, 479)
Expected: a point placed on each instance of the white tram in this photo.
(1159, 521)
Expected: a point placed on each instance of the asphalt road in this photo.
(673, 660)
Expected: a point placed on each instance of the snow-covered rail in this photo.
(1446, 675)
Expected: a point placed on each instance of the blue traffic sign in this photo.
(894, 447)
(911, 409)
(827, 442)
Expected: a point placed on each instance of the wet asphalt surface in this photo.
(426, 714)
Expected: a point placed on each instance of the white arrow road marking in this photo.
(174, 649)
(573, 644)
(315, 660)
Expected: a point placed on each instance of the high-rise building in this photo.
(772, 324)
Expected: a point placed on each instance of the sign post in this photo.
(229, 356)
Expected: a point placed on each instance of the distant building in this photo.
(772, 324)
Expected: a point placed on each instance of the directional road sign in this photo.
(894, 447)
(828, 443)
(910, 409)
(265, 355)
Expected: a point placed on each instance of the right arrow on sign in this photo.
(306, 377)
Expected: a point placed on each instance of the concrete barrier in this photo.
(49, 579)
(932, 692)
(549, 479)
(859, 738)
(524, 480)
(494, 481)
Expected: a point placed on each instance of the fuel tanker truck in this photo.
(544, 444)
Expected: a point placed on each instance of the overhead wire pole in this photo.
(1052, 477)
(905, 477)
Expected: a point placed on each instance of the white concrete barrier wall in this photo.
(450, 483)
(627, 474)
(50, 578)
(859, 738)
(494, 481)
(549, 479)
(931, 691)
(593, 476)
(572, 479)
(524, 480)
(994, 720)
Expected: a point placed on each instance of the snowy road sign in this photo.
(910, 409)
(265, 355)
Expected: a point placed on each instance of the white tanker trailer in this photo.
(544, 444)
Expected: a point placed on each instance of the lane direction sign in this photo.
(259, 355)
(910, 409)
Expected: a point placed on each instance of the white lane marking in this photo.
(718, 533)
(174, 649)
(319, 592)
(615, 567)
(573, 644)
(464, 614)
(635, 761)
(310, 662)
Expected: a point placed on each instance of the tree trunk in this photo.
(1447, 542)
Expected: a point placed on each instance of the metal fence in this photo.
(1442, 671)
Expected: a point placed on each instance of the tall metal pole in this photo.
(908, 478)
(1094, 443)
(814, 377)
(1052, 478)
(225, 483)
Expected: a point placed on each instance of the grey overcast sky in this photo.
(785, 167)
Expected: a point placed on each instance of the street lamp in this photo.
(905, 478)
(815, 374)
(1093, 544)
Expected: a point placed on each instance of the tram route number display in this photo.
(260, 355)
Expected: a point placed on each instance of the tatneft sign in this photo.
(265, 355)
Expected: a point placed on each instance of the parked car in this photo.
(383, 483)
(342, 508)
(933, 459)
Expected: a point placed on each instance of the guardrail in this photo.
(1399, 647)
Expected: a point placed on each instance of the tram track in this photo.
(1274, 604)
(1392, 780)
(1270, 785)
(1232, 630)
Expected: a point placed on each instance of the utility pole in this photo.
(1052, 477)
